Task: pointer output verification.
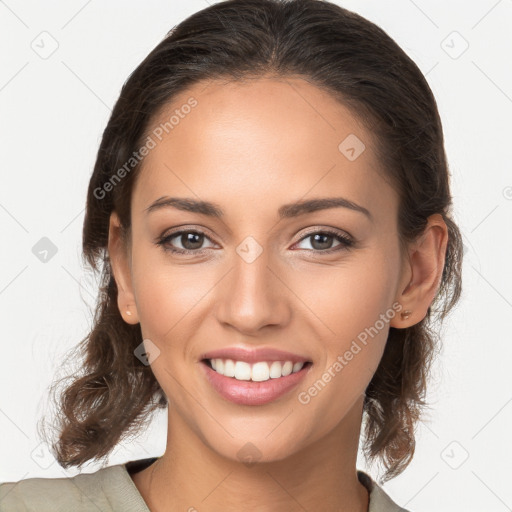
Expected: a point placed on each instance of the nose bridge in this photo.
(252, 297)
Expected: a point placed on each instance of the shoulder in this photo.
(107, 489)
(380, 501)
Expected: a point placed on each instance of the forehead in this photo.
(260, 142)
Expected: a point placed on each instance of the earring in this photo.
(128, 312)
(405, 314)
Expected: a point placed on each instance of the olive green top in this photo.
(111, 489)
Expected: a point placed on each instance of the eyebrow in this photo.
(286, 211)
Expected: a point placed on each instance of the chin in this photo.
(256, 450)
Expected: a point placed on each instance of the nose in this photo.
(253, 296)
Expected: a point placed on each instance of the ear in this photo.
(422, 272)
(119, 255)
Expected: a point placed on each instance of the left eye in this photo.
(322, 240)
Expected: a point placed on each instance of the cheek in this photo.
(347, 299)
(167, 296)
(354, 306)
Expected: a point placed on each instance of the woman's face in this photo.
(255, 279)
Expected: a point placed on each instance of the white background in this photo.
(53, 112)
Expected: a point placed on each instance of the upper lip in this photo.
(253, 355)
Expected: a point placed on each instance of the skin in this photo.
(252, 147)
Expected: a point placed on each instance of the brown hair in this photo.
(359, 64)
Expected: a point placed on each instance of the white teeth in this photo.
(297, 367)
(242, 371)
(229, 368)
(287, 368)
(275, 370)
(258, 372)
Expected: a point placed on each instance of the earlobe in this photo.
(118, 256)
(427, 258)
(128, 316)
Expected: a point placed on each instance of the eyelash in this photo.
(345, 242)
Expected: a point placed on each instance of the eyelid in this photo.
(204, 231)
(186, 228)
(328, 230)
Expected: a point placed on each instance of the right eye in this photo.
(191, 241)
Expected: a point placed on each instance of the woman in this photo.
(270, 214)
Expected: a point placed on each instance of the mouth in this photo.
(253, 384)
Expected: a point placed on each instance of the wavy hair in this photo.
(114, 394)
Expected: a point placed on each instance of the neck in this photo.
(320, 476)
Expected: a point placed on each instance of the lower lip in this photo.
(247, 392)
